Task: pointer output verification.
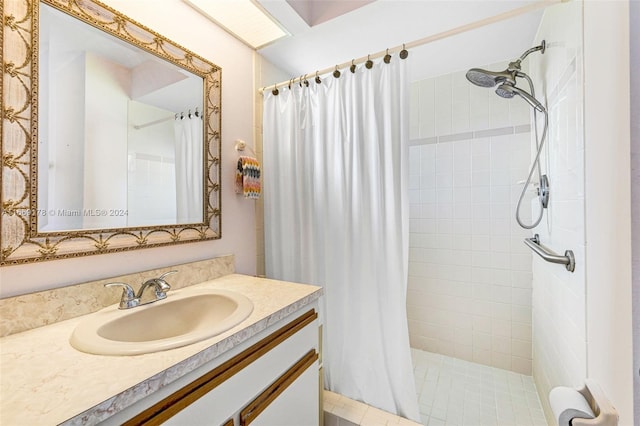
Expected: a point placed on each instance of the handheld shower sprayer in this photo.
(509, 90)
(506, 88)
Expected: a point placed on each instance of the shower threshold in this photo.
(342, 411)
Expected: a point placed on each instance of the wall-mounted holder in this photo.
(568, 259)
(605, 413)
(587, 406)
(241, 145)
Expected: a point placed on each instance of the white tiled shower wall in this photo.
(559, 310)
(469, 292)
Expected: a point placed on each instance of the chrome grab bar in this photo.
(568, 259)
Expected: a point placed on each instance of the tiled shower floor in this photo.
(456, 392)
(451, 392)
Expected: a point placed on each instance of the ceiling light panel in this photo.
(244, 19)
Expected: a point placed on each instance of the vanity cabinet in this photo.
(272, 379)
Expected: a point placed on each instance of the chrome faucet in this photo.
(160, 287)
(130, 299)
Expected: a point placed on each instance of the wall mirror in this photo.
(110, 135)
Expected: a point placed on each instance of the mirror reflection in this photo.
(120, 132)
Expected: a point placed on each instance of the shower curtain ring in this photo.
(306, 82)
(318, 78)
(369, 63)
(275, 90)
(403, 52)
(352, 68)
(336, 73)
(387, 57)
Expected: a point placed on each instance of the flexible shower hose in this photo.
(534, 165)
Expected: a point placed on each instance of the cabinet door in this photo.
(293, 400)
(221, 393)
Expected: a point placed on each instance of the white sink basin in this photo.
(184, 317)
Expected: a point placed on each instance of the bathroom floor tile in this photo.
(462, 393)
(451, 392)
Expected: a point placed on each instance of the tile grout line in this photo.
(472, 134)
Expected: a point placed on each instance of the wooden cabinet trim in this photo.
(262, 401)
(179, 400)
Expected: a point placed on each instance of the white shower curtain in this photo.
(336, 215)
(188, 163)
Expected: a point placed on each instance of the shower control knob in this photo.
(543, 191)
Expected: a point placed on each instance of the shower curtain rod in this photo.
(542, 4)
(175, 116)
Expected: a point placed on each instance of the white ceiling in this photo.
(384, 24)
(315, 12)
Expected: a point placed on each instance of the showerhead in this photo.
(508, 90)
(506, 82)
(484, 78)
(505, 91)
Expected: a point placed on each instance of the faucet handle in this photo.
(128, 299)
(166, 274)
(164, 286)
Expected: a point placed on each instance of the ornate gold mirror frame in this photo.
(20, 241)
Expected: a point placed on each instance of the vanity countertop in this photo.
(44, 380)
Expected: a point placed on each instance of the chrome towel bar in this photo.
(568, 259)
